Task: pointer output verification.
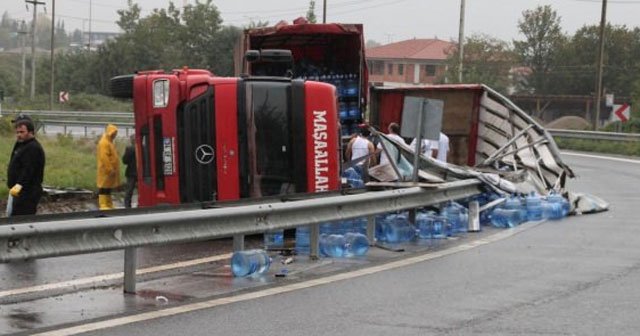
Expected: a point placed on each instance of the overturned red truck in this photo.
(200, 137)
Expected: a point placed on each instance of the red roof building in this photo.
(416, 61)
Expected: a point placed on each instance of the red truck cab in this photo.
(203, 138)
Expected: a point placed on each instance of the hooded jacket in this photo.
(108, 175)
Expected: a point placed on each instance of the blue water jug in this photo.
(353, 178)
(302, 239)
(533, 203)
(552, 210)
(397, 229)
(455, 218)
(360, 225)
(351, 86)
(343, 110)
(250, 263)
(555, 197)
(432, 226)
(357, 244)
(515, 202)
(506, 218)
(332, 245)
(274, 239)
(354, 110)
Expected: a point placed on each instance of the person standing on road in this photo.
(359, 147)
(129, 159)
(394, 134)
(440, 149)
(26, 170)
(108, 175)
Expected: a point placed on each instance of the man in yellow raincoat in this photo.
(108, 176)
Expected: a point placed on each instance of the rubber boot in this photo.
(110, 202)
(103, 202)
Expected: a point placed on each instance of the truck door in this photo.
(269, 138)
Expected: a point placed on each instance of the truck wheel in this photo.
(121, 86)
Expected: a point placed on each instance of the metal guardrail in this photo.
(125, 127)
(594, 135)
(68, 237)
(92, 114)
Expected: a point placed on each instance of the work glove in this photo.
(15, 190)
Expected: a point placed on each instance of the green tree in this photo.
(538, 51)
(201, 24)
(574, 70)
(487, 60)
(311, 13)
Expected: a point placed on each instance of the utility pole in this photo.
(23, 33)
(461, 41)
(53, 34)
(90, 12)
(603, 24)
(324, 11)
(35, 4)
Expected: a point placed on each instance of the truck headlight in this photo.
(160, 93)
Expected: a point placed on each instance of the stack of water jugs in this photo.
(532, 207)
(395, 228)
(337, 239)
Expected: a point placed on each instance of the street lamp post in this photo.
(461, 41)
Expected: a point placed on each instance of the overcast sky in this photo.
(384, 20)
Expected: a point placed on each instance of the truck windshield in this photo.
(269, 120)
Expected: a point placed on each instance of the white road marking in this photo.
(110, 277)
(283, 289)
(602, 157)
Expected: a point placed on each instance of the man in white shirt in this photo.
(441, 148)
(437, 149)
(394, 134)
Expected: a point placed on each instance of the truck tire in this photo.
(121, 86)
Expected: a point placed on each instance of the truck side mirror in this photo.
(252, 56)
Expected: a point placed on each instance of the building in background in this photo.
(416, 61)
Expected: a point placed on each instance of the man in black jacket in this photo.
(129, 159)
(26, 169)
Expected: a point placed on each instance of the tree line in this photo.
(548, 61)
(545, 61)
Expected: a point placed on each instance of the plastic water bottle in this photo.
(514, 202)
(452, 213)
(250, 263)
(555, 197)
(343, 110)
(274, 239)
(302, 239)
(552, 210)
(353, 178)
(534, 207)
(357, 244)
(360, 225)
(424, 222)
(351, 86)
(397, 229)
(354, 110)
(506, 218)
(332, 245)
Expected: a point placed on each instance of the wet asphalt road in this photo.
(575, 276)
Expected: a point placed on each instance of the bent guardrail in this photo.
(68, 237)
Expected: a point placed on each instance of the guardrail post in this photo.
(85, 131)
(130, 266)
(474, 216)
(371, 229)
(238, 243)
(314, 241)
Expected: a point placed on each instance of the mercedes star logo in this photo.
(204, 154)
